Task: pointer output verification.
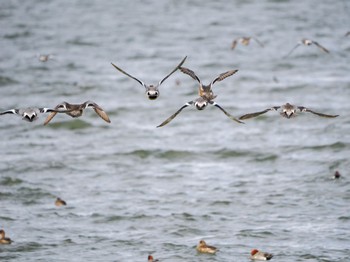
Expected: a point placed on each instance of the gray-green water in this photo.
(133, 189)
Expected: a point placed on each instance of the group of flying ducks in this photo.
(245, 40)
(205, 93)
(205, 97)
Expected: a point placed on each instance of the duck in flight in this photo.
(200, 103)
(245, 41)
(31, 113)
(206, 95)
(206, 90)
(76, 110)
(307, 42)
(287, 111)
(152, 91)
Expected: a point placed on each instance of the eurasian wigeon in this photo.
(202, 247)
(152, 91)
(287, 111)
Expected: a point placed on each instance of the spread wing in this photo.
(190, 73)
(226, 113)
(10, 111)
(234, 44)
(49, 118)
(291, 51)
(223, 76)
(260, 43)
(321, 47)
(125, 73)
(176, 68)
(99, 111)
(251, 115)
(102, 114)
(304, 109)
(175, 114)
(49, 110)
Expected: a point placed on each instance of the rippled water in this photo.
(133, 189)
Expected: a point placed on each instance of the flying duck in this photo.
(152, 91)
(76, 110)
(287, 111)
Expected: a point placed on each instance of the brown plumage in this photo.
(59, 202)
(308, 42)
(3, 239)
(245, 41)
(202, 247)
(258, 255)
(76, 110)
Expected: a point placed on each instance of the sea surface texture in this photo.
(133, 189)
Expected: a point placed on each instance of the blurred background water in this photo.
(133, 189)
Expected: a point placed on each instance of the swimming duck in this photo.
(202, 247)
(308, 42)
(31, 113)
(200, 103)
(336, 175)
(152, 91)
(151, 259)
(287, 111)
(244, 41)
(76, 110)
(59, 202)
(4, 240)
(44, 58)
(258, 255)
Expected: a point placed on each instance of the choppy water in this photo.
(133, 189)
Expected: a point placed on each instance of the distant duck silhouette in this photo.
(3, 239)
(336, 175)
(258, 255)
(151, 259)
(31, 113)
(59, 202)
(202, 247)
(45, 58)
(76, 110)
(307, 42)
(152, 91)
(245, 41)
(177, 82)
(286, 110)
